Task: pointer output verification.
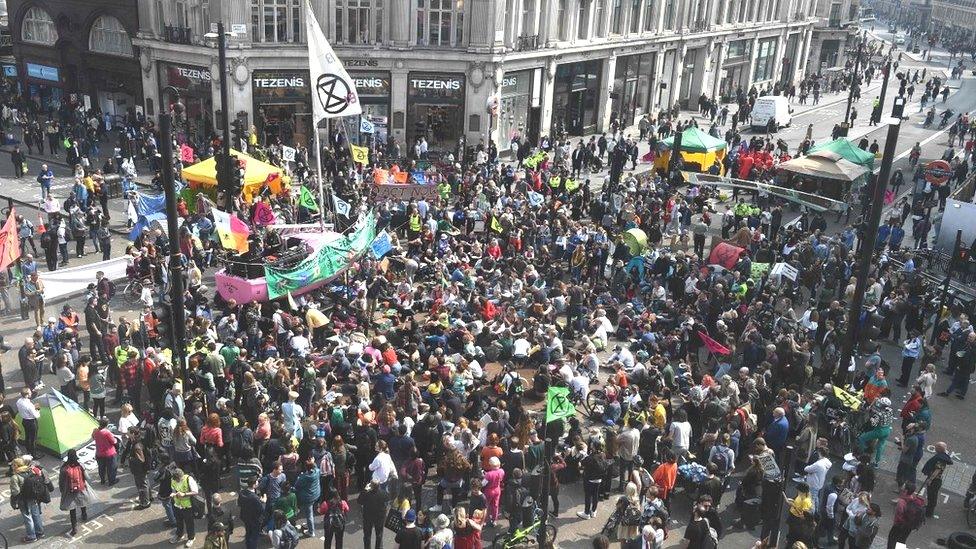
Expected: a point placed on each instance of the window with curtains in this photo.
(528, 11)
(583, 20)
(649, 23)
(108, 36)
(359, 21)
(38, 27)
(635, 14)
(440, 22)
(615, 16)
(560, 19)
(730, 11)
(276, 21)
(599, 13)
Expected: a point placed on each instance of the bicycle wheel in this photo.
(550, 539)
(596, 402)
(971, 515)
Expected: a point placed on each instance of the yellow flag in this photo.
(495, 225)
(360, 155)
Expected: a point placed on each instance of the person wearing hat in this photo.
(443, 536)
(29, 506)
(410, 537)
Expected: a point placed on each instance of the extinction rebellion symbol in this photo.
(334, 93)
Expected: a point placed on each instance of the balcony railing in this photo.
(527, 43)
(834, 23)
(700, 26)
(799, 17)
(177, 35)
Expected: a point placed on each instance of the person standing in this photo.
(335, 510)
(909, 354)
(34, 290)
(29, 489)
(934, 471)
(75, 492)
(29, 413)
(184, 488)
(909, 515)
(139, 460)
(595, 467)
(105, 453)
(19, 160)
(908, 448)
(375, 502)
(251, 509)
(308, 490)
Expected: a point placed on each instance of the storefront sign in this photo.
(271, 86)
(438, 88)
(42, 72)
(516, 83)
(186, 77)
(349, 63)
(274, 82)
(372, 84)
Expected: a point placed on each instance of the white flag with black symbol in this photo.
(341, 206)
(333, 92)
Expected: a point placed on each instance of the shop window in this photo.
(359, 21)
(38, 28)
(109, 36)
(276, 21)
(440, 22)
(764, 60)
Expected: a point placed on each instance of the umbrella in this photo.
(825, 165)
(635, 240)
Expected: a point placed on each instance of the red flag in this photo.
(9, 243)
(712, 345)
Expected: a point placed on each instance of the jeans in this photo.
(63, 252)
(170, 512)
(31, 513)
(591, 496)
(253, 533)
(308, 511)
(107, 469)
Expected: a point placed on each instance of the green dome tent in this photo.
(848, 151)
(63, 424)
(695, 140)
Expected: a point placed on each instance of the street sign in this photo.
(238, 29)
(938, 172)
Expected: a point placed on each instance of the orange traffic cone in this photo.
(41, 229)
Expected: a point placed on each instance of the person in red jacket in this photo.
(105, 452)
(909, 515)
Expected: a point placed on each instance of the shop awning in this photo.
(256, 173)
(695, 140)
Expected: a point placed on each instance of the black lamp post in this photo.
(176, 305)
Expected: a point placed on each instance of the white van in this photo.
(771, 106)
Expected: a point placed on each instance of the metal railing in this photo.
(527, 43)
(177, 35)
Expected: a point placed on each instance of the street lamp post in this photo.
(867, 240)
(176, 305)
(854, 80)
(225, 158)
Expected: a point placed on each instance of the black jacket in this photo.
(251, 508)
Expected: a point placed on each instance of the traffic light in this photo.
(239, 131)
(236, 175)
(222, 176)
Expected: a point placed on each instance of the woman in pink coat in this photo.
(494, 480)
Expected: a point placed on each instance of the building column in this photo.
(805, 52)
(603, 105)
(677, 75)
(752, 63)
(722, 49)
(780, 55)
(398, 104)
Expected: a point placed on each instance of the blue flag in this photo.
(419, 177)
(382, 245)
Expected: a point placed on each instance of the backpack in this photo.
(35, 488)
(238, 442)
(337, 520)
(289, 537)
(721, 460)
(631, 516)
(914, 513)
(76, 479)
(711, 542)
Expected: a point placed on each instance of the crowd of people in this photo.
(411, 384)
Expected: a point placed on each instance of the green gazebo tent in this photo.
(848, 151)
(63, 424)
(695, 140)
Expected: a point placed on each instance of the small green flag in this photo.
(558, 405)
(306, 200)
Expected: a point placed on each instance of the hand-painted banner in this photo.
(406, 192)
(327, 262)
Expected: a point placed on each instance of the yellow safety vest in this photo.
(415, 223)
(181, 502)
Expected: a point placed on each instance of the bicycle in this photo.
(524, 538)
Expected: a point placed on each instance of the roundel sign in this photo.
(938, 172)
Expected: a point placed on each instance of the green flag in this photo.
(558, 405)
(306, 200)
